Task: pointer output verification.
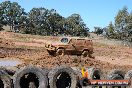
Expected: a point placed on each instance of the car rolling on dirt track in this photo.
(72, 46)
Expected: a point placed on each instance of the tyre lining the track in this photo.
(96, 75)
(1, 84)
(62, 77)
(63, 80)
(27, 79)
(116, 75)
(128, 76)
(34, 76)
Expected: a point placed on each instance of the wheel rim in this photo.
(85, 53)
(60, 52)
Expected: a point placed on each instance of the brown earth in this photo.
(31, 51)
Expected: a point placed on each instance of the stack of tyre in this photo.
(57, 77)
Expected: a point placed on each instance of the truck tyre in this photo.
(85, 53)
(60, 52)
(5, 80)
(52, 53)
(116, 75)
(128, 76)
(20, 78)
(62, 77)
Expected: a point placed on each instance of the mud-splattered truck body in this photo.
(72, 46)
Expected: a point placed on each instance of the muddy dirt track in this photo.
(30, 50)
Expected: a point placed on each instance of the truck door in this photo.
(72, 46)
(80, 45)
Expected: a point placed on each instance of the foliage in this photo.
(11, 14)
(40, 21)
(123, 26)
(98, 30)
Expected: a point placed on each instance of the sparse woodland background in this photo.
(47, 22)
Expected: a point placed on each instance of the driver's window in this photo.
(64, 40)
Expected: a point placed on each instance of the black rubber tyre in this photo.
(52, 53)
(85, 53)
(128, 76)
(84, 82)
(5, 80)
(60, 52)
(116, 75)
(40, 74)
(55, 72)
(94, 74)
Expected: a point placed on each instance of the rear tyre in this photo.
(85, 53)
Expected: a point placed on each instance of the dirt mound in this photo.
(4, 42)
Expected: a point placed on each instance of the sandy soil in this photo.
(31, 51)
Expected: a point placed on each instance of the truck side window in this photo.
(80, 42)
(72, 41)
(64, 40)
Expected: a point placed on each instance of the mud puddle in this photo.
(10, 62)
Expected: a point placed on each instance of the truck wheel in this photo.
(116, 75)
(62, 77)
(128, 76)
(52, 53)
(60, 52)
(85, 53)
(5, 80)
(26, 76)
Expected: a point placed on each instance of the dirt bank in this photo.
(30, 50)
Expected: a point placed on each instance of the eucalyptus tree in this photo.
(76, 26)
(11, 14)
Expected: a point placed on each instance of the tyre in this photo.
(60, 52)
(128, 76)
(116, 75)
(84, 82)
(94, 74)
(5, 80)
(62, 77)
(30, 75)
(85, 53)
